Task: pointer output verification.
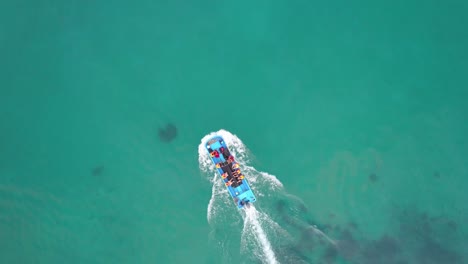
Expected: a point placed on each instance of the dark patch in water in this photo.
(429, 237)
(383, 251)
(352, 225)
(281, 206)
(422, 238)
(330, 254)
(347, 245)
(433, 253)
(303, 208)
(416, 226)
(437, 174)
(167, 133)
(97, 171)
(373, 177)
(307, 241)
(452, 225)
(285, 214)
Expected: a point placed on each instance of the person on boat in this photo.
(237, 176)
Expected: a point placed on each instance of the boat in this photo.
(231, 175)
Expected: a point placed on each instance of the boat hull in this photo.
(229, 171)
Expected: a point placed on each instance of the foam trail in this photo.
(211, 203)
(318, 231)
(252, 217)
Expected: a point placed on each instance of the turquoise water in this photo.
(355, 112)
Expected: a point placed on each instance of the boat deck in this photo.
(230, 172)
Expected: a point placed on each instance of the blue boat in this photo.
(230, 173)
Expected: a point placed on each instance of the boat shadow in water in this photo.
(413, 237)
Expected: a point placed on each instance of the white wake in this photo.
(253, 227)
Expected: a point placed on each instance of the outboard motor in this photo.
(245, 203)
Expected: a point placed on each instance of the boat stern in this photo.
(245, 198)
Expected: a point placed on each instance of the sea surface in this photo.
(349, 119)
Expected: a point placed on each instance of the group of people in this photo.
(236, 175)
